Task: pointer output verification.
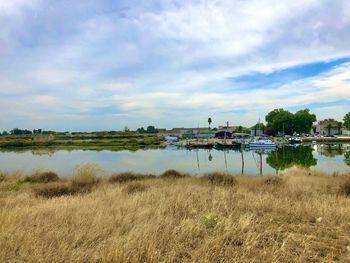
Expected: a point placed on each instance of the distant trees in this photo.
(17, 131)
(38, 131)
(241, 129)
(346, 120)
(283, 121)
(339, 126)
(149, 129)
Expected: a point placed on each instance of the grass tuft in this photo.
(173, 174)
(345, 187)
(274, 181)
(220, 179)
(86, 178)
(43, 177)
(128, 177)
(134, 187)
(56, 189)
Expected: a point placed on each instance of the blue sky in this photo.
(106, 64)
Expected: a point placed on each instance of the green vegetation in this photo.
(346, 120)
(121, 140)
(280, 120)
(149, 129)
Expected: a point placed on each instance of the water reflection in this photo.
(330, 150)
(347, 158)
(288, 156)
(322, 157)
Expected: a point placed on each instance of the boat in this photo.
(294, 140)
(262, 144)
(199, 145)
(223, 145)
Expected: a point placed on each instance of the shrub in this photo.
(2, 177)
(220, 179)
(274, 181)
(173, 174)
(345, 187)
(55, 190)
(134, 187)
(86, 177)
(43, 177)
(125, 177)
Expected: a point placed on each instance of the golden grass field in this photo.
(297, 217)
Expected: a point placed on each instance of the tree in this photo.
(339, 126)
(346, 120)
(140, 130)
(209, 121)
(283, 121)
(303, 121)
(279, 121)
(269, 117)
(329, 127)
(151, 129)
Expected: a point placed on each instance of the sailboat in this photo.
(227, 144)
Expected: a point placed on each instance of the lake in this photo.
(325, 158)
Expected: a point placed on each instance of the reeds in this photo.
(290, 218)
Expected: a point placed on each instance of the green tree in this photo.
(209, 122)
(270, 116)
(339, 126)
(303, 120)
(346, 120)
(151, 129)
(279, 121)
(140, 130)
(329, 128)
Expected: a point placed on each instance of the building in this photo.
(223, 134)
(228, 128)
(180, 132)
(328, 128)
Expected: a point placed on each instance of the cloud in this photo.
(117, 63)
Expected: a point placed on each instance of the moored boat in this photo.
(231, 145)
(262, 144)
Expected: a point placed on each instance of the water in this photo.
(324, 158)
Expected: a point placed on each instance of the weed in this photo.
(173, 174)
(43, 177)
(220, 179)
(134, 187)
(274, 181)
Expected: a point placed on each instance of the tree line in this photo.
(281, 121)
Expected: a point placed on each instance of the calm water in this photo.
(325, 158)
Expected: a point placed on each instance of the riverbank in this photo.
(301, 216)
(83, 141)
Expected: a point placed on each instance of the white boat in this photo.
(262, 144)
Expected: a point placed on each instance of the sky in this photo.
(106, 64)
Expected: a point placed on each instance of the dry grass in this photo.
(135, 187)
(173, 174)
(220, 179)
(42, 177)
(300, 218)
(128, 177)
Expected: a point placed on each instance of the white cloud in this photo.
(152, 60)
